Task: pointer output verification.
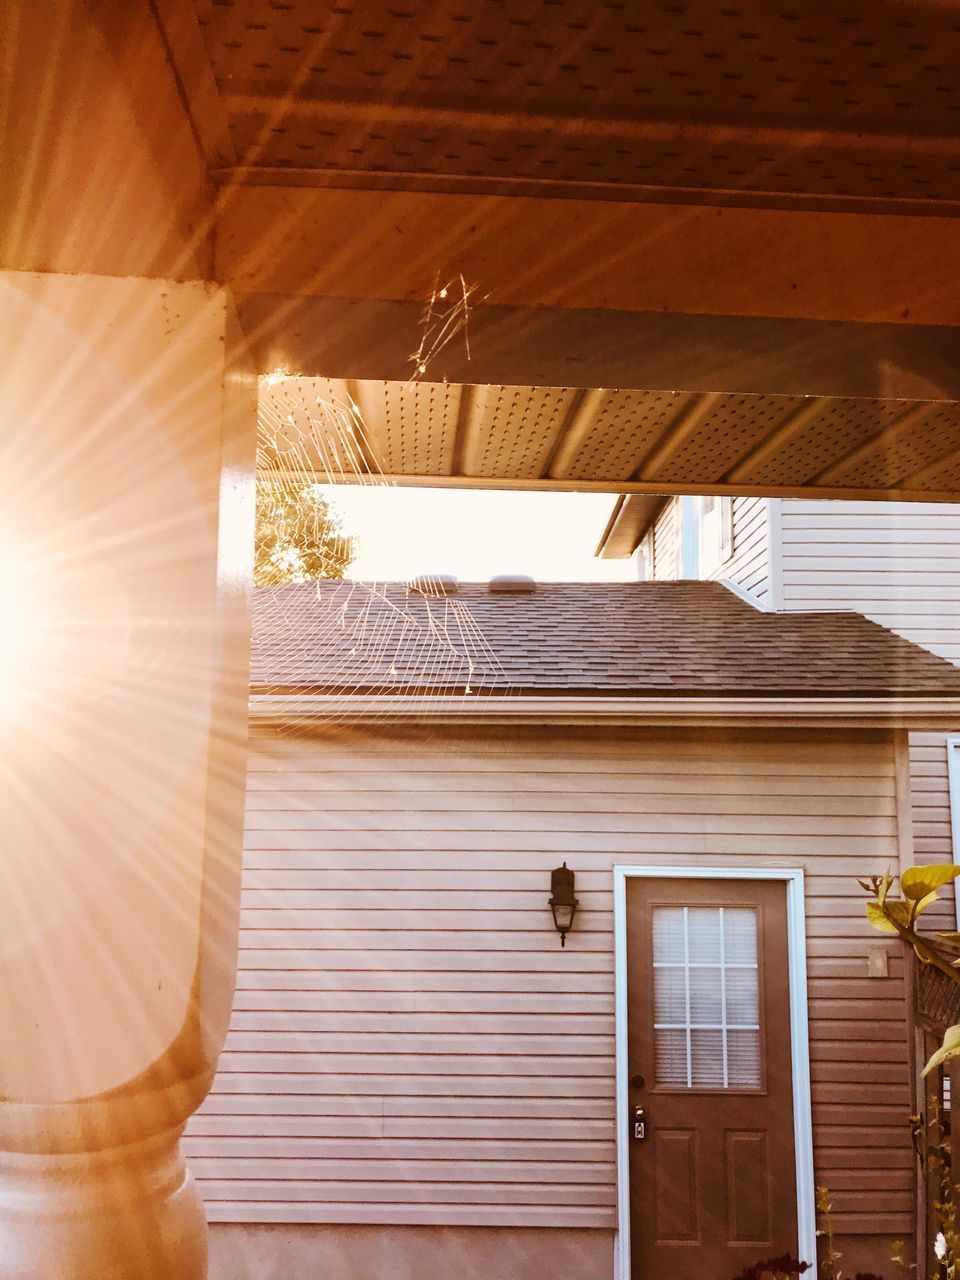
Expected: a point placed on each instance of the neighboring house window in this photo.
(645, 559)
(716, 533)
(706, 534)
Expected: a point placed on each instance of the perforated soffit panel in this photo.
(436, 432)
(855, 100)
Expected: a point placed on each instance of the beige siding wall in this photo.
(411, 1046)
(351, 1252)
(899, 563)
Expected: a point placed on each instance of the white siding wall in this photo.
(749, 565)
(410, 1044)
(666, 543)
(899, 563)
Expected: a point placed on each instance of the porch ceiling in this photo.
(562, 156)
(621, 440)
(766, 101)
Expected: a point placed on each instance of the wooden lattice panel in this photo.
(512, 431)
(859, 99)
(937, 999)
(733, 426)
(623, 427)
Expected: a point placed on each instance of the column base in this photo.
(121, 1213)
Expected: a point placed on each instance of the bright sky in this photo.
(476, 533)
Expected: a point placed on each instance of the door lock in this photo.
(639, 1124)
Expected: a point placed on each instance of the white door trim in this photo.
(799, 1042)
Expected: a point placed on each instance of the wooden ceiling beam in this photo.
(627, 256)
(553, 347)
(493, 118)
(902, 493)
(102, 174)
(543, 186)
(198, 86)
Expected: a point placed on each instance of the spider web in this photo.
(339, 638)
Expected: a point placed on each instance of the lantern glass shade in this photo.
(563, 901)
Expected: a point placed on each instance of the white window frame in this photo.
(953, 784)
(645, 569)
(690, 521)
(706, 542)
(799, 1042)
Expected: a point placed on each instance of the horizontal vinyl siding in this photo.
(930, 799)
(898, 563)
(410, 1044)
(749, 566)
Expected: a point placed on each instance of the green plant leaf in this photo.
(948, 1050)
(917, 883)
(883, 914)
(925, 952)
(921, 904)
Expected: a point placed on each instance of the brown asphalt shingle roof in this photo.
(569, 638)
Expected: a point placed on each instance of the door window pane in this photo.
(743, 1058)
(740, 935)
(706, 1057)
(705, 935)
(668, 935)
(670, 995)
(741, 984)
(671, 1057)
(706, 997)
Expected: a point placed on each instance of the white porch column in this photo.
(126, 455)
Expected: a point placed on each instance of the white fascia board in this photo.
(918, 713)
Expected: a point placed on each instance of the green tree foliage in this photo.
(299, 537)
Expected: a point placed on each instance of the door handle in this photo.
(638, 1124)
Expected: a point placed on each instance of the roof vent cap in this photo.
(512, 584)
(434, 584)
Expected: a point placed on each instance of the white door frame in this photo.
(799, 1043)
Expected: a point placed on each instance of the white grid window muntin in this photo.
(706, 997)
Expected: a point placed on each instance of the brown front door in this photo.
(712, 1181)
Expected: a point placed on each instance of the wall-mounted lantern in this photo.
(563, 902)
